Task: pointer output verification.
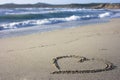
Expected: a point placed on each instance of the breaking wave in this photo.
(26, 17)
(14, 25)
(104, 14)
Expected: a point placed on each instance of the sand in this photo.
(32, 57)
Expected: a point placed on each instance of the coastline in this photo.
(30, 57)
(49, 28)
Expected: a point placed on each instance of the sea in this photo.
(23, 21)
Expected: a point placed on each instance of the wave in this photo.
(43, 13)
(31, 16)
(117, 15)
(18, 11)
(54, 15)
(14, 25)
(38, 16)
(21, 11)
(104, 14)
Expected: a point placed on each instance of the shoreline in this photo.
(31, 57)
(60, 26)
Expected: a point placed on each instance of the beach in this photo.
(32, 57)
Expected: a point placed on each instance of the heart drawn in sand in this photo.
(84, 65)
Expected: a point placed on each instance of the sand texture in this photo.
(89, 52)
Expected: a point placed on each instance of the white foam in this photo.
(14, 25)
(41, 22)
(104, 14)
(18, 11)
(72, 18)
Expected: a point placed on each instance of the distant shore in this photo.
(43, 5)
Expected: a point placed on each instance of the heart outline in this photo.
(109, 65)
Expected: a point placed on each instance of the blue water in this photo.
(17, 21)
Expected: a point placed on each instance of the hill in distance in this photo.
(43, 5)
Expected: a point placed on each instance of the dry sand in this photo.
(31, 57)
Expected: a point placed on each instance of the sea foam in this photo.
(104, 14)
(49, 21)
(27, 17)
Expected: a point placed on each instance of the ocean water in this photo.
(22, 21)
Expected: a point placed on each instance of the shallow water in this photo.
(21, 21)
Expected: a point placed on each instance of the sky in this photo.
(57, 1)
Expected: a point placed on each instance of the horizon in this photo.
(57, 2)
